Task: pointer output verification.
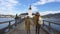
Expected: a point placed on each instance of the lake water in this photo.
(55, 20)
(5, 24)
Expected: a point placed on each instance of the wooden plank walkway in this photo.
(20, 29)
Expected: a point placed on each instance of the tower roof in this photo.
(30, 7)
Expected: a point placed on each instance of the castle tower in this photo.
(30, 11)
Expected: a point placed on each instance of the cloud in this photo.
(7, 6)
(34, 8)
(7, 13)
(49, 12)
(42, 2)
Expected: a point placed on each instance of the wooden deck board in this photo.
(20, 29)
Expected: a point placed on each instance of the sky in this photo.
(44, 7)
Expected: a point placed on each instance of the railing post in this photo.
(43, 23)
(49, 26)
(15, 22)
(9, 26)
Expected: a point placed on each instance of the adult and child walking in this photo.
(35, 21)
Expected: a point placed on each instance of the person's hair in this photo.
(37, 13)
(27, 16)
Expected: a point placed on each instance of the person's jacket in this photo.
(27, 23)
(36, 19)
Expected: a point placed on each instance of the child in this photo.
(27, 24)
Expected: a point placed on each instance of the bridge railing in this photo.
(9, 27)
(2, 31)
(49, 27)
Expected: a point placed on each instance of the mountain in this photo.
(6, 16)
(56, 15)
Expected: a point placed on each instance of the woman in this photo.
(37, 25)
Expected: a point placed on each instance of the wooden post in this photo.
(15, 22)
(49, 26)
(43, 23)
(9, 26)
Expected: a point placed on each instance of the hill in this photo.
(56, 15)
(6, 16)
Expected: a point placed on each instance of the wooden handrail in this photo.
(10, 21)
(52, 22)
(49, 25)
(6, 21)
(9, 25)
(51, 28)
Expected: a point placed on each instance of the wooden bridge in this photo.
(19, 28)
